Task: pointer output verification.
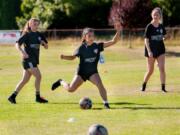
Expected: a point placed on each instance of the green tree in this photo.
(65, 13)
(9, 9)
(171, 10)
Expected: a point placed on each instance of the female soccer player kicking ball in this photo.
(31, 39)
(88, 53)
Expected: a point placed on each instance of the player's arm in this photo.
(44, 42)
(115, 39)
(73, 56)
(67, 57)
(146, 41)
(166, 36)
(18, 45)
(23, 53)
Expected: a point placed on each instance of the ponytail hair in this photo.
(27, 27)
(158, 9)
(84, 33)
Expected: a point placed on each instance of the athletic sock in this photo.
(144, 86)
(37, 94)
(105, 102)
(56, 84)
(106, 105)
(163, 87)
(14, 94)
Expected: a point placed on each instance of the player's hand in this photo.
(117, 25)
(150, 54)
(44, 44)
(62, 56)
(25, 55)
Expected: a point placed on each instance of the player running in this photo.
(31, 39)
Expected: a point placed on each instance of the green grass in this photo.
(132, 113)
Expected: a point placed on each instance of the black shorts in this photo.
(27, 65)
(157, 50)
(86, 75)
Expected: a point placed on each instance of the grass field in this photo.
(132, 113)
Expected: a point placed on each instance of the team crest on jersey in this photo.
(95, 51)
(161, 31)
(39, 38)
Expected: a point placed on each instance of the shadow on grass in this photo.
(113, 103)
(126, 103)
(152, 108)
(173, 54)
(119, 104)
(64, 103)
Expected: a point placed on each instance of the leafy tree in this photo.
(131, 13)
(66, 13)
(171, 9)
(8, 10)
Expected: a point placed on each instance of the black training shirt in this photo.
(31, 42)
(155, 34)
(89, 56)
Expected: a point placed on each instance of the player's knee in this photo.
(38, 76)
(150, 71)
(24, 81)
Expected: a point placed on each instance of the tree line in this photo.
(81, 13)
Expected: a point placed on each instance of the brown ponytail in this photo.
(84, 33)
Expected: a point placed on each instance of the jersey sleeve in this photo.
(22, 39)
(101, 46)
(164, 30)
(77, 52)
(147, 32)
(43, 38)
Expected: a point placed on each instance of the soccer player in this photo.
(88, 54)
(155, 33)
(31, 39)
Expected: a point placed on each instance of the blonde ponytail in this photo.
(27, 27)
(158, 9)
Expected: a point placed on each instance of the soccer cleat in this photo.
(143, 87)
(56, 84)
(164, 90)
(41, 100)
(12, 100)
(106, 106)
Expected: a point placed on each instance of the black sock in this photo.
(144, 86)
(56, 84)
(37, 94)
(163, 86)
(14, 94)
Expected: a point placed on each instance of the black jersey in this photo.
(89, 57)
(155, 36)
(31, 42)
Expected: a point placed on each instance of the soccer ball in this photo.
(85, 103)
(97, 130)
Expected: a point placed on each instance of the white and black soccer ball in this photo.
(85, 103)
(97, 129)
